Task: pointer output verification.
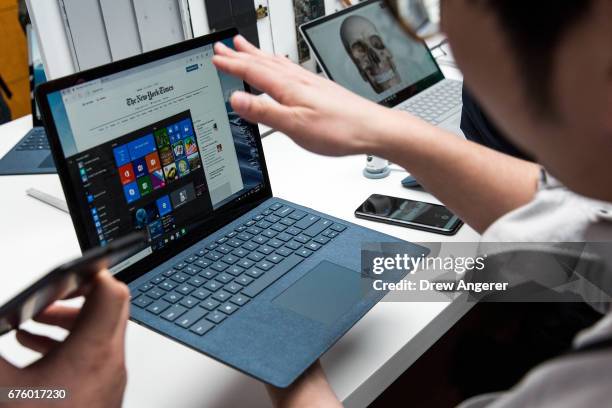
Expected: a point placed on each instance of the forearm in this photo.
(475, 182)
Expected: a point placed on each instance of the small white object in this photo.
(376, 167)
(53, 201)
(605, 214)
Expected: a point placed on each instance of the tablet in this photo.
(65, 279)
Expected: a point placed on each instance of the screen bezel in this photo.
(392, 100)
(217, 219)
(359, 213)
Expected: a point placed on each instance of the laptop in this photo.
(363, 49)
(151, 143)
(31, 155)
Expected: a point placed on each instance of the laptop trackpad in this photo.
(323, 294)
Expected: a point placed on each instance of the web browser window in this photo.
(156, 147)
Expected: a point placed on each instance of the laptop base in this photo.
(287, 318)
(25, 160)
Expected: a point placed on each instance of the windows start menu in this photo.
(158, 172)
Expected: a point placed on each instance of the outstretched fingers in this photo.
(258, 109)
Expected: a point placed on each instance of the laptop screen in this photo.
(157, 148)
(364, 50)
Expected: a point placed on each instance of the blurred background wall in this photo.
(14, 57)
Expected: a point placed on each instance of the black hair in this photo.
(534, 29)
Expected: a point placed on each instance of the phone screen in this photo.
(409, 213)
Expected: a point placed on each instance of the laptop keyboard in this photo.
(213, 283)
(35, 140)
(433, 104)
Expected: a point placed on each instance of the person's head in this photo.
(543, 71)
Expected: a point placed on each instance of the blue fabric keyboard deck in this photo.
(209, 286)
(35, 140)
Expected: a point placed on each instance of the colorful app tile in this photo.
(183, 195)
(126, 173)
(174, 134)
(194, 162)
(182, 167)
(140, 167)
(157, 179)
(156, 229)
(171, 173)
(164, 206)
(153, 162)
(186, 128)
(190, 146)
(144, 216)
(141, 147)
(131, 192)
(166, 155)
(141, 217)
(179, 150)
(161, 138)
(145, 186)
(122, 155)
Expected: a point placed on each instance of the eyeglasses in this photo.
(420, 18)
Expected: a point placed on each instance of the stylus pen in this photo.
(48, 199)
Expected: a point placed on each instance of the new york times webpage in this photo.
(103, 110)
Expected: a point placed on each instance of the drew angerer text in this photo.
(446, 286)
(412, 264)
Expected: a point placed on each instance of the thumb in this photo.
(258, 109)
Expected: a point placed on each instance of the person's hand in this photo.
(89, 364)
(318, 114)
(310, 390)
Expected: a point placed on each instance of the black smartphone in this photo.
(407, 213)
(65, 279)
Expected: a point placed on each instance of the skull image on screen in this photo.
(368, 51)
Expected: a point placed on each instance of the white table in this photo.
(34, 237)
